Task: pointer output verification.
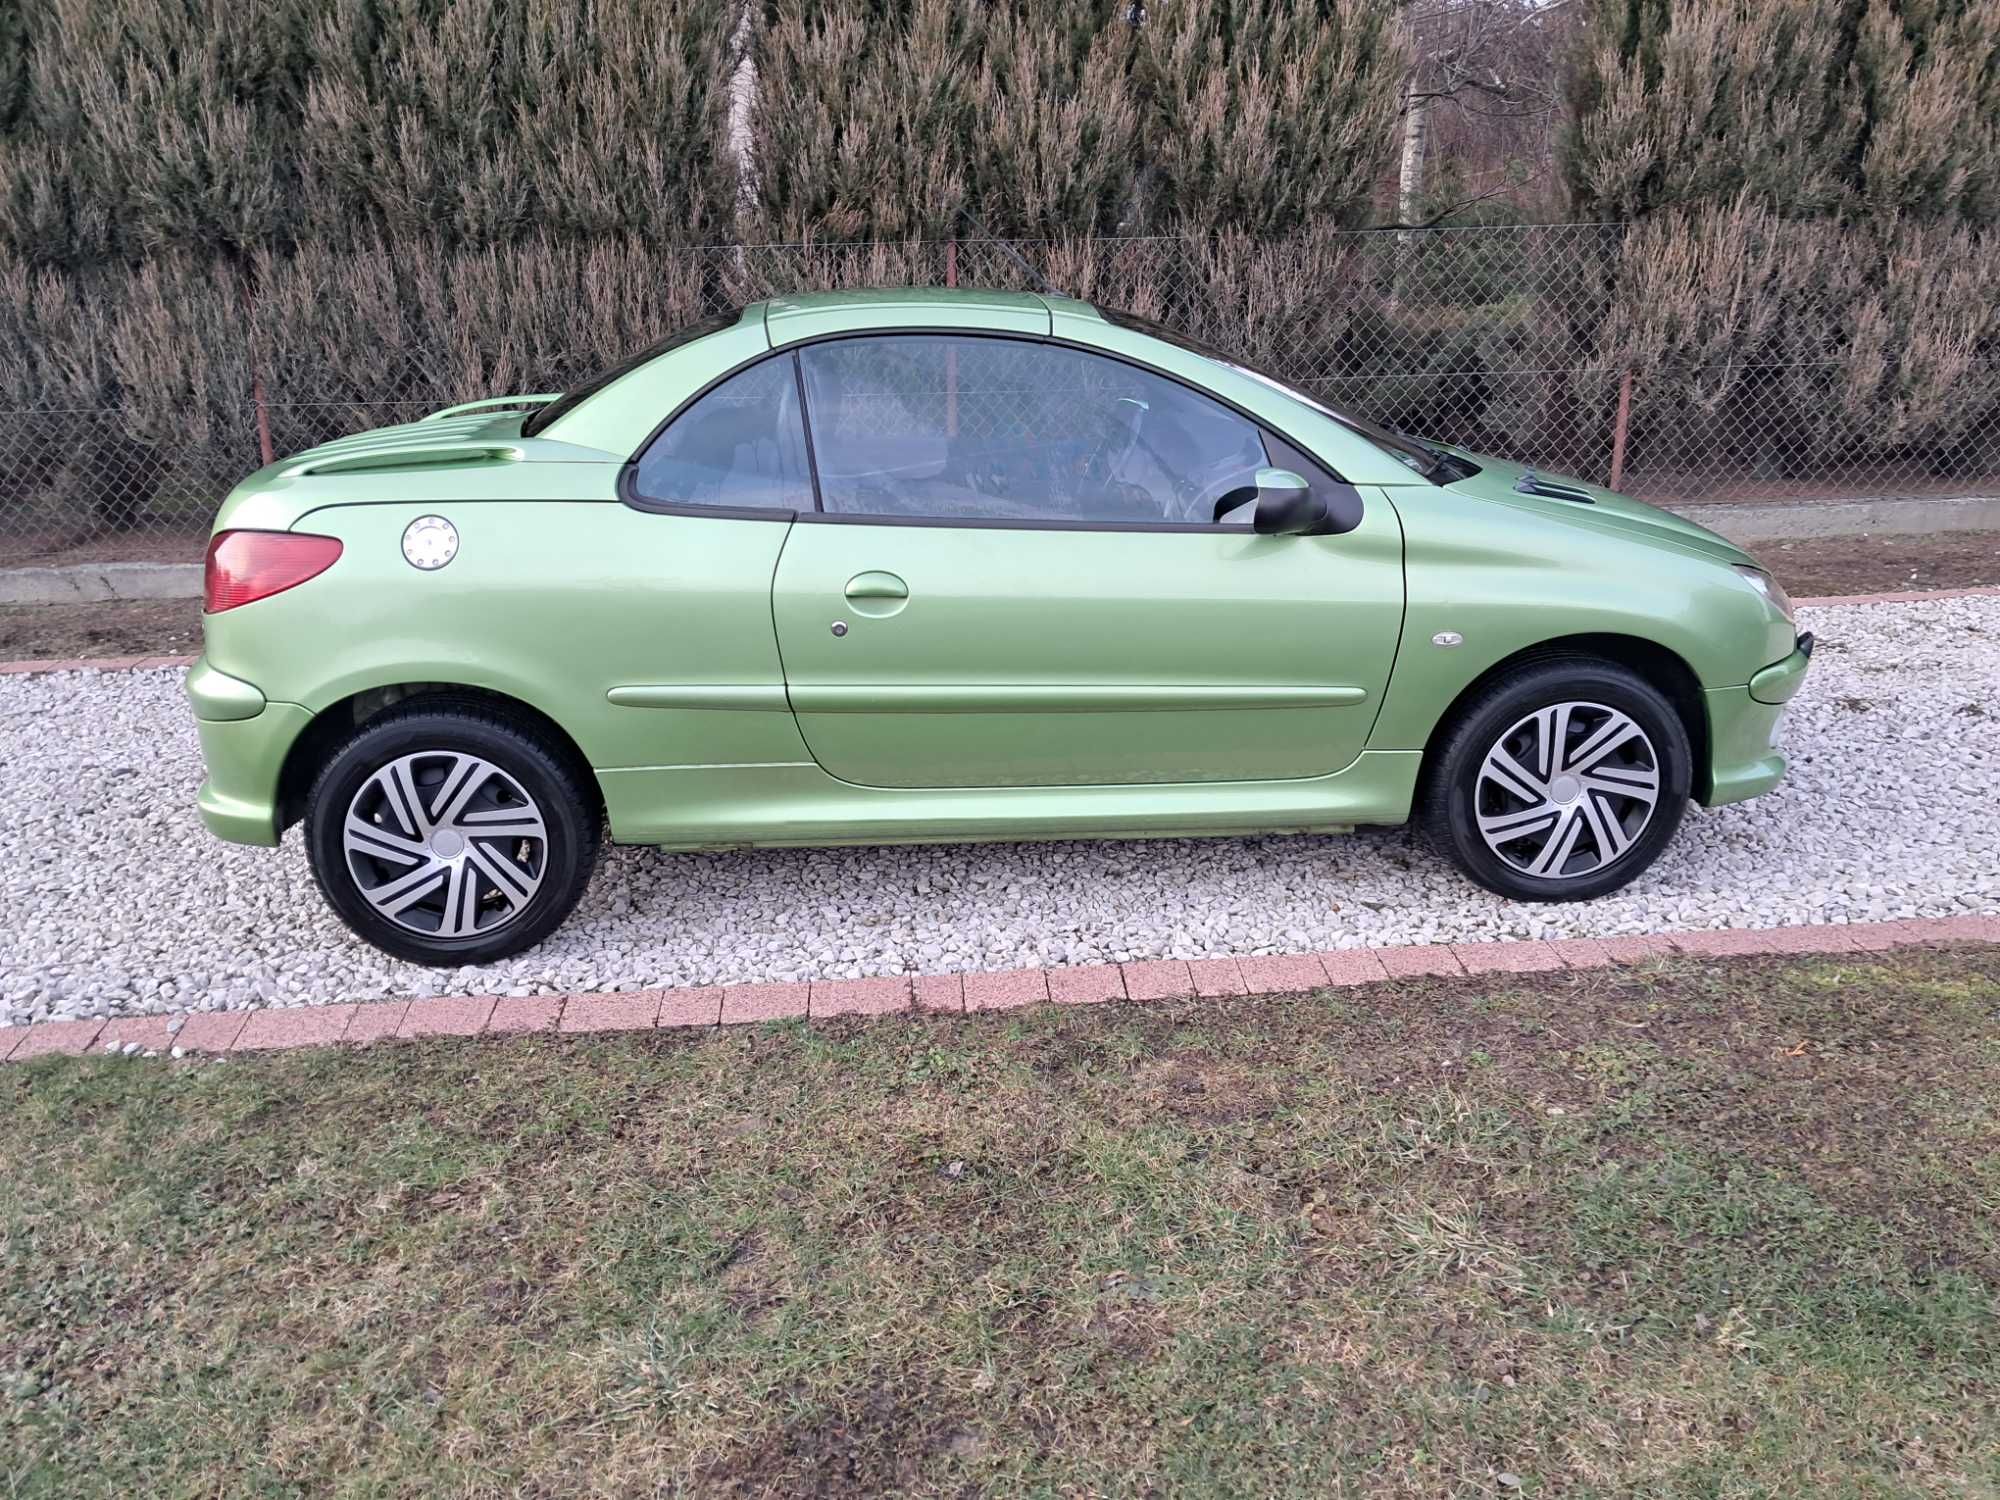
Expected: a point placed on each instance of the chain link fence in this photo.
(1494, 338)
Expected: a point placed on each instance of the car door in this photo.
(1016, 577)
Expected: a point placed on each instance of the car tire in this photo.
(1561, 781)
(447, 833)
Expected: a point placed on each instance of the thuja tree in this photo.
(481, 122)
(147, 125)
(1052, 137)
(889, 120)
(858, 119)
(1813, 190)
(150, 156)
(1266, 116)
(1684, 102)
(1927, 75)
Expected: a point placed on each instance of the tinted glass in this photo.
(1412, 454)
(742, 445)
(571, 399)
(1006, 430)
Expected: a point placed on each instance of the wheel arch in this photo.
(330, 727)
(1659, 666)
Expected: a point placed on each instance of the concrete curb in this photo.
(219, 1033)
(100, 583)
(150, 663)
(1812, 520)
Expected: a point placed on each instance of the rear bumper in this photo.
(1743, 730)
(244, 752)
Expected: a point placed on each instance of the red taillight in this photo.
(244, 566)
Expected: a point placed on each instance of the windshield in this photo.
(571, 399)
(1420, 457)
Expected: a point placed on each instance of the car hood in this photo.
(1607, 510)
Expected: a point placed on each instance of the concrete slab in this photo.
(99, 583)
(1887, 516)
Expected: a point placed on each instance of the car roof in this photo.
(788, 320)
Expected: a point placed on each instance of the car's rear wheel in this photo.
(1559, 782)
(447, 834)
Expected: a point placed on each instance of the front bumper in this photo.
(1743, 730)
(244, 741)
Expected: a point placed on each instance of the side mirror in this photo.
(1286, 505)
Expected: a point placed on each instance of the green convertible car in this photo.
(923, 565)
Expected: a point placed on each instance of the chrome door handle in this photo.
(876, 586)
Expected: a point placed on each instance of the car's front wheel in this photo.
(448, 834)
(1560, 782)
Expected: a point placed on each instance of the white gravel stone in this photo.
(117, 902)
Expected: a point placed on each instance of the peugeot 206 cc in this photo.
(880, 567)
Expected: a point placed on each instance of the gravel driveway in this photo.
(117, 902)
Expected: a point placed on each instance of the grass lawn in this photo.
(1705, 1229)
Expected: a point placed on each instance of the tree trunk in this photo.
(1416, 135)
(1410, 183)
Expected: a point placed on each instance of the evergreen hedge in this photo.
(420, 201)
(1814, 190)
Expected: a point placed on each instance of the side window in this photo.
(998, 429)
(741, 446)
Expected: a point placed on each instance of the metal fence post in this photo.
(263, 416)
(951, 352)
(1619, 429)
(264, 452)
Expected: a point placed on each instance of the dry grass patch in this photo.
(1698, 1229)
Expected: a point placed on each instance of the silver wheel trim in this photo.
(1566, 790)
(445, 844)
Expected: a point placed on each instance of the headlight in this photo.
(1768, 586)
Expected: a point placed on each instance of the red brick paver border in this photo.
(1215, 977)
(1282, 973)
(1007, 989)
(212, 1030)
(857, 997)
(295, 1026)
(627, 1010)
(941, 993)
(1156, 979)
(1418, 960)
(446, 1015)
(1352, 966)
(515, 1015)
(147, 1031)
(375, 1023)
(1086, 984)
(46, 1038)
(764, 1002)
(701, 1006)
(1506, 958)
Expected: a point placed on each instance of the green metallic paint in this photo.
(238, 801)
(1076, 657)
(1065, 697)
(794, 320)
(1742, 760)
(217, 696)
(1778, 682)
(988, 683)
(794, 805)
